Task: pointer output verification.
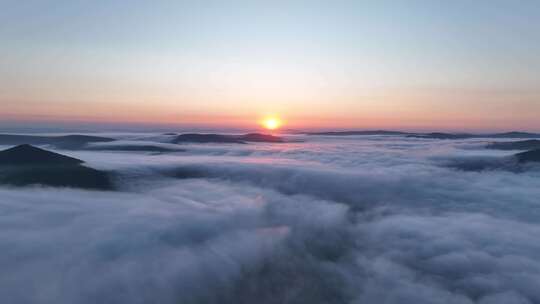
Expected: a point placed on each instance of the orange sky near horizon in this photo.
(398, 119)
(429, 110)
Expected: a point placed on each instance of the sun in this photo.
(272, 123)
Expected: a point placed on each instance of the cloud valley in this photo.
(374, 219)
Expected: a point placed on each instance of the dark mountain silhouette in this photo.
(132, 148)
(440, 135)
(514, 135)
(433, 135)
(513, 163)
(206, 138)
(63, 142)
(349, 133)
(515, 145)
(220, 138)
(529, 156)
(27, 165)
(29, 155)
(479, 163)
(258, 137)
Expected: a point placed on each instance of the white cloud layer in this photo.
(329, 220)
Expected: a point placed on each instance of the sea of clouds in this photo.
(360, 219)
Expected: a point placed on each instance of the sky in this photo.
(410, 65)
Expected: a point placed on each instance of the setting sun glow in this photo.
(272, 123)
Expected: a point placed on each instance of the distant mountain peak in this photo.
(260, 137)
(221, 138)
(26, 154)
(529, 156)
(365, 132)
(28, 165)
